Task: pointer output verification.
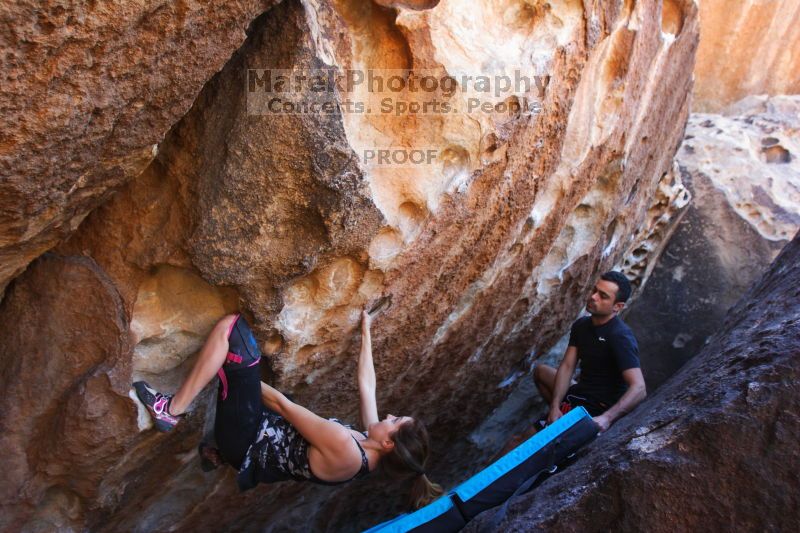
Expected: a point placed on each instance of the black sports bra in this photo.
(363, 471)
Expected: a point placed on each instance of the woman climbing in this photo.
(269, 438)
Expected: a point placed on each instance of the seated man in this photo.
(611, 382)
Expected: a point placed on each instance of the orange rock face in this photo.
(88, 92)
(747, 47)
(486, 251)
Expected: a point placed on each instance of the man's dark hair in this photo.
(623, 285)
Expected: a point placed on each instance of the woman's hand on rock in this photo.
(366, 321)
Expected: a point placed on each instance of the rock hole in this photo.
(616, 65)
(274, 344)
(385, 246)
(521, 307)
(337, 283)
(303, 292)
(583, 211)
(520, 15)
(610, 232)
(371, 285)
(412, 217)
(454, 159)
(777, 154)
(489, 143)
(680, 340)
(529, 225)
(671, 17)
(608, 181)
(632, 194)
(305, 353)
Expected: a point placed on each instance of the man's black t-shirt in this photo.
(604, 353)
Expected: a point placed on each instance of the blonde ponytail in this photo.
(423, 491)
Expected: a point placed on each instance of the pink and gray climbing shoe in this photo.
(157, 404)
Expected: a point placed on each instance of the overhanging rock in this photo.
(487, 254)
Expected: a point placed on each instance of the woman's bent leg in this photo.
(239, 404)
(210, 360)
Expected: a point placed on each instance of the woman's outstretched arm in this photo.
(272, 397)
(366, 375)
(325, 435)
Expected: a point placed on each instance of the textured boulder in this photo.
(486, 254)
(747, 47)
(66, 416)
(744, 171)
(669, 206)
(714, 449)
(751, 155)
(88, 93)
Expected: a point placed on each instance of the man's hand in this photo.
(632, 397)
(602, 422)
(553, 415)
